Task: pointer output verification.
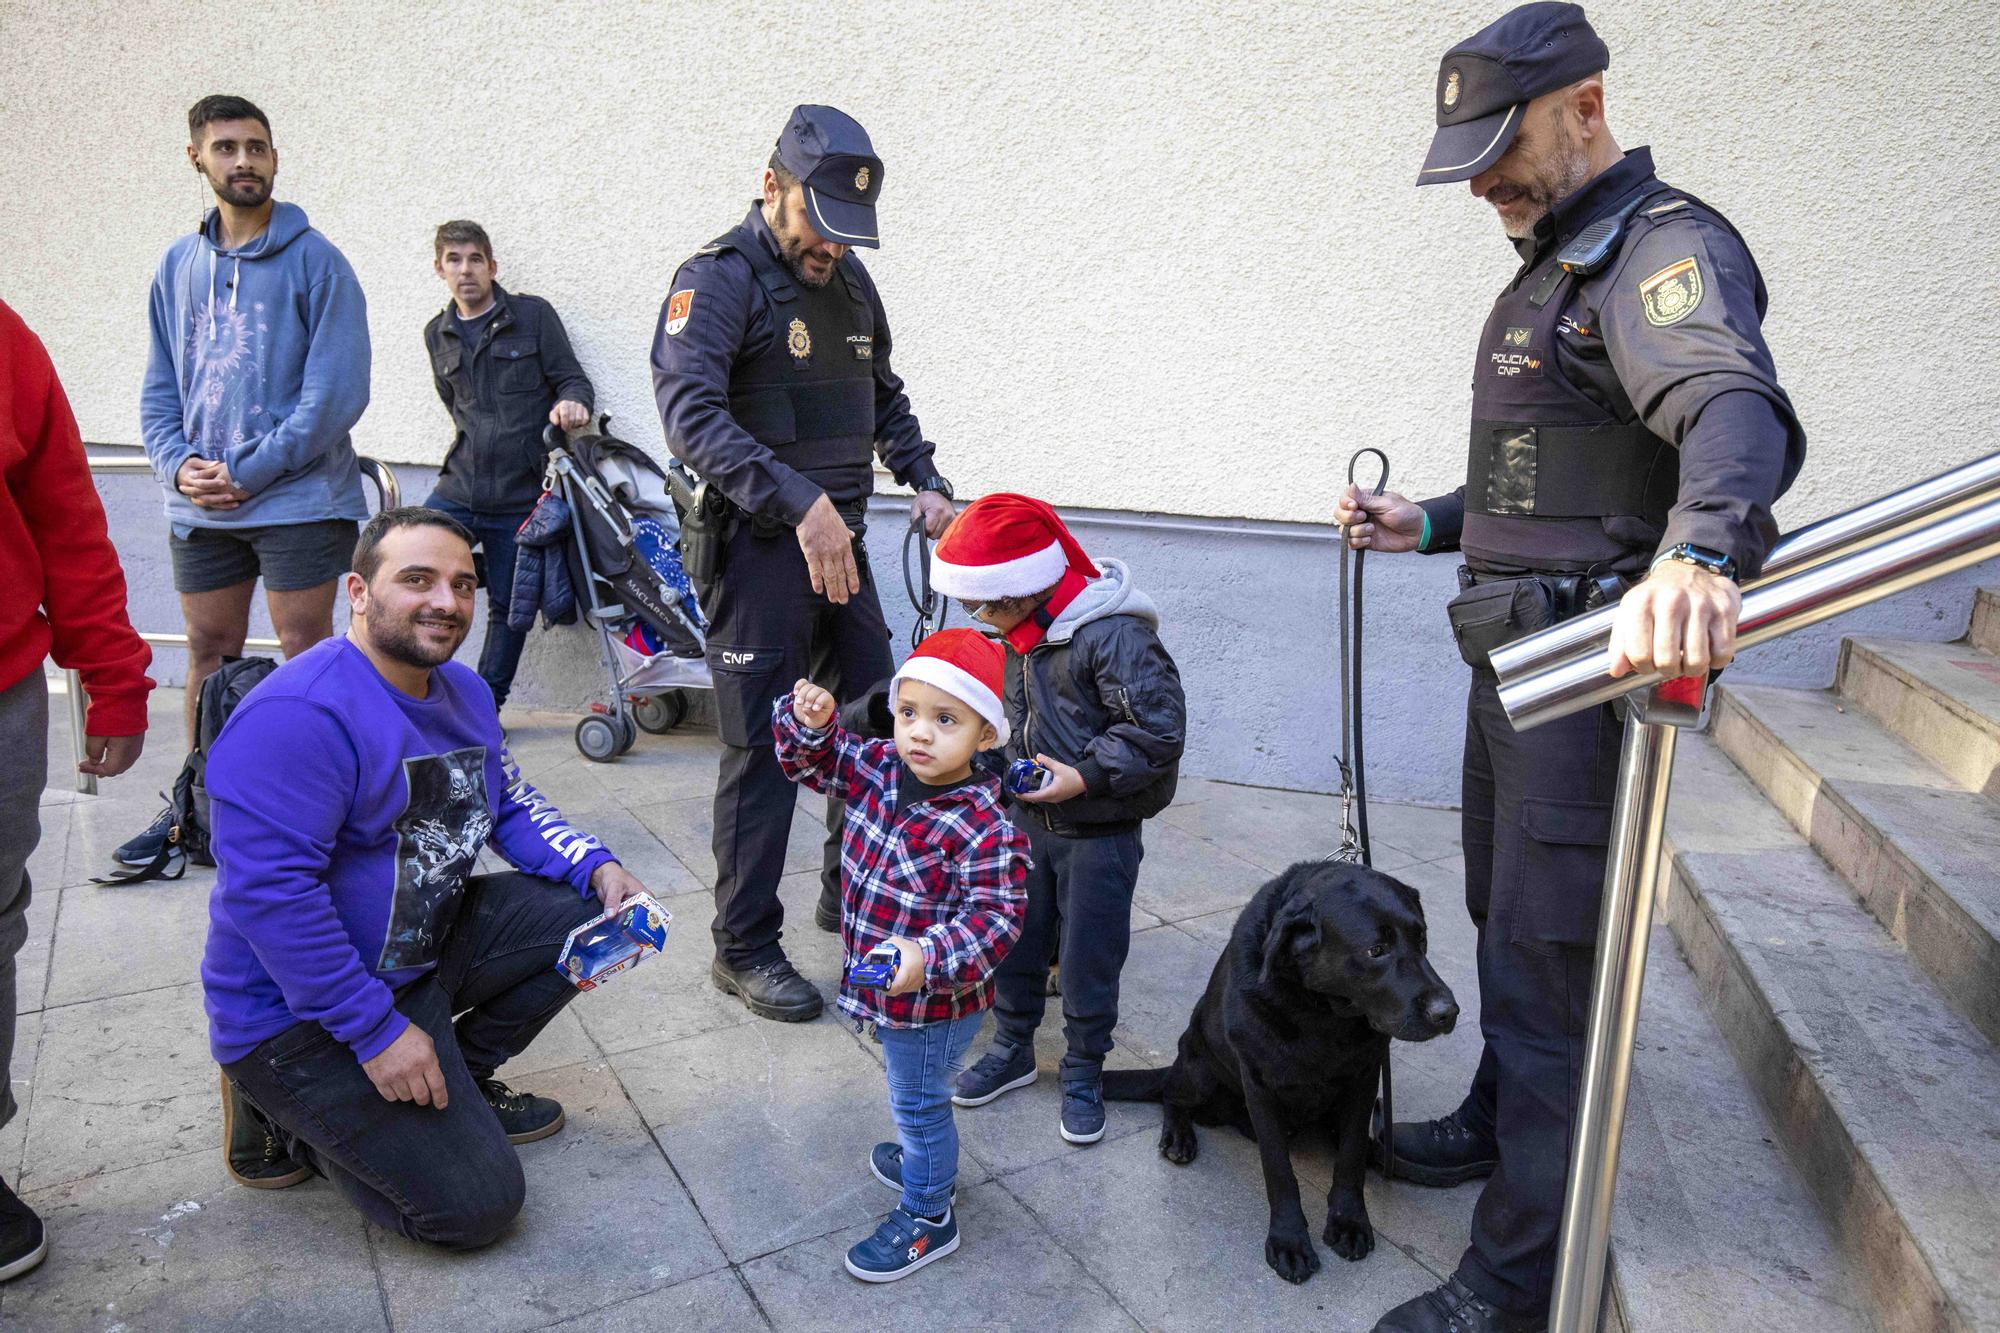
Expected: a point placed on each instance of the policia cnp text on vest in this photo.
(771, 369)
(1626, 417)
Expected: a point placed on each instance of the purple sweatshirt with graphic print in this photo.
(347, 816)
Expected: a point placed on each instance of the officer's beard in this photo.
(1563, 170)
(794, 249)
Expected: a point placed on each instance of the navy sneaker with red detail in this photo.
(901, 1245)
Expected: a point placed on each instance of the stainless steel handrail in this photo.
(1842, 534)
(1932, 529)
(387, 490)
(1776, 608)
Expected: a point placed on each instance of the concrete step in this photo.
(1985, 632)
(1881, 1091)
(1943, 699)
(1921, 852)
(1715, 1230)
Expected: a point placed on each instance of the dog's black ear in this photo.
(1295, 925)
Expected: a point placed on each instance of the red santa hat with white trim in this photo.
(966, 665)
(1005, 545)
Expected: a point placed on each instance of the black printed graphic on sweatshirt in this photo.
(445, 821)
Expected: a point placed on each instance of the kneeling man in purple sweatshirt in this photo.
(352, 791)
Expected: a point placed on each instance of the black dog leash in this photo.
(1354, 843)
(924, 600)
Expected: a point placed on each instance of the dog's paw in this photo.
(1291, 1256)
(1178, 1144)
(1351, 1238)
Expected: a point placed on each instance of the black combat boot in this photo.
(1443, 1152)
(770, 990)
(1454, 1308)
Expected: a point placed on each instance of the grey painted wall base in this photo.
(1248, 614)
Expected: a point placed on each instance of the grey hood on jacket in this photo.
(1111, 595)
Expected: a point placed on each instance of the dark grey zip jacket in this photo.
(499, 394)
(1101, 693)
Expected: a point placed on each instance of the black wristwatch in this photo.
(1715, 562)
(936, 482)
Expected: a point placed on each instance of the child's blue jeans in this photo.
(922, 1062)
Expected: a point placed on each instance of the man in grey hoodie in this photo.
(257, 372)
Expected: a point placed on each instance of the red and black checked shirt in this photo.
(948, 872)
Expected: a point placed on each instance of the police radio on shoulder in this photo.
(1715, 562)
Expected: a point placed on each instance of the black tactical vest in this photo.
(1554, 479)
(810, 396)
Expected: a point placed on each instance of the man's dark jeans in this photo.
(447, 1177)
(500, 655)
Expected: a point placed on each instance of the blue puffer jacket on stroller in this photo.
(541, 568)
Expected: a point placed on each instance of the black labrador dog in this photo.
(1324, 965)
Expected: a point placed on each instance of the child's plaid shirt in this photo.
(948, 872)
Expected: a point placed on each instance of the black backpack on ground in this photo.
(189, 825)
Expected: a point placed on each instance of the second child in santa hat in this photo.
(1093, 696)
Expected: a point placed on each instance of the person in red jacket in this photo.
(62, 595)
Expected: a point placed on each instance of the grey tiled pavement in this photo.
(712, 1171)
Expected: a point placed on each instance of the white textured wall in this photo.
(1162, 257)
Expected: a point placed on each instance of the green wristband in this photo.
(1424, 537)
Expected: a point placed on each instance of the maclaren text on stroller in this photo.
(623, 530)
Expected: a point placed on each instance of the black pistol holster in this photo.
(708, 520)
(1493, 610)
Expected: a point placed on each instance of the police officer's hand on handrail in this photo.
(829, 549)
(1385, 522)
(1681, 621)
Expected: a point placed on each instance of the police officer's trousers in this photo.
(767, 628)
(1537, 817)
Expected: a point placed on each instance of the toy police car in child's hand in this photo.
(605, 946)
(1025, 776)
(878, 969)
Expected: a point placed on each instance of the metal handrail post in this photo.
(1631, 885)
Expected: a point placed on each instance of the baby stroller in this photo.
(627, 572)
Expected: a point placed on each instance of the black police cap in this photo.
(830, 154)
(1485, 83)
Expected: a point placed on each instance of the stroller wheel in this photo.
(598, 739)
(628, 733)
(658, 714)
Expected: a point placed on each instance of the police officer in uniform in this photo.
(771, 370)
(1627, 431)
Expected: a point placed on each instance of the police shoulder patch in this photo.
(679, 306)
(1672, 294)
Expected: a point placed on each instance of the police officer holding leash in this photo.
(1627, 431)
(771, 368)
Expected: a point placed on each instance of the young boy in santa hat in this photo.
(1095, 699)
(931, 866)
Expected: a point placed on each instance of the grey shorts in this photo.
(291, 557)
